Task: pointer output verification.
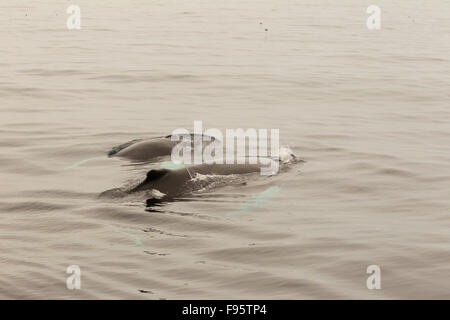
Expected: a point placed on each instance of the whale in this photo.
(143, 150)
(171, 183)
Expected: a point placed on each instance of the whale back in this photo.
(225, 169)
(140, 150)
(146, 150)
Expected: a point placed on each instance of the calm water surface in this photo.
(367, 110)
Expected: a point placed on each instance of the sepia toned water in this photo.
(367, 110)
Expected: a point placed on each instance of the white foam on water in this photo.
(286, 154)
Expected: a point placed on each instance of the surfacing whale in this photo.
(142, 150)
(169, 184)
(173, 183)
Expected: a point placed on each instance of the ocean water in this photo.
(368, 110)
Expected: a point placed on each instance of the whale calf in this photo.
(142, 150)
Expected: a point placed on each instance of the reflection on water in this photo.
(267, 194)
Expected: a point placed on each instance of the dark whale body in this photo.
(144, 150)
(141, 150)
(179, 182)
(174, 182)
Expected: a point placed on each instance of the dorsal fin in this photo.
(155, 174)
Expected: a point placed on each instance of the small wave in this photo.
(396, 172)
(32, 206)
